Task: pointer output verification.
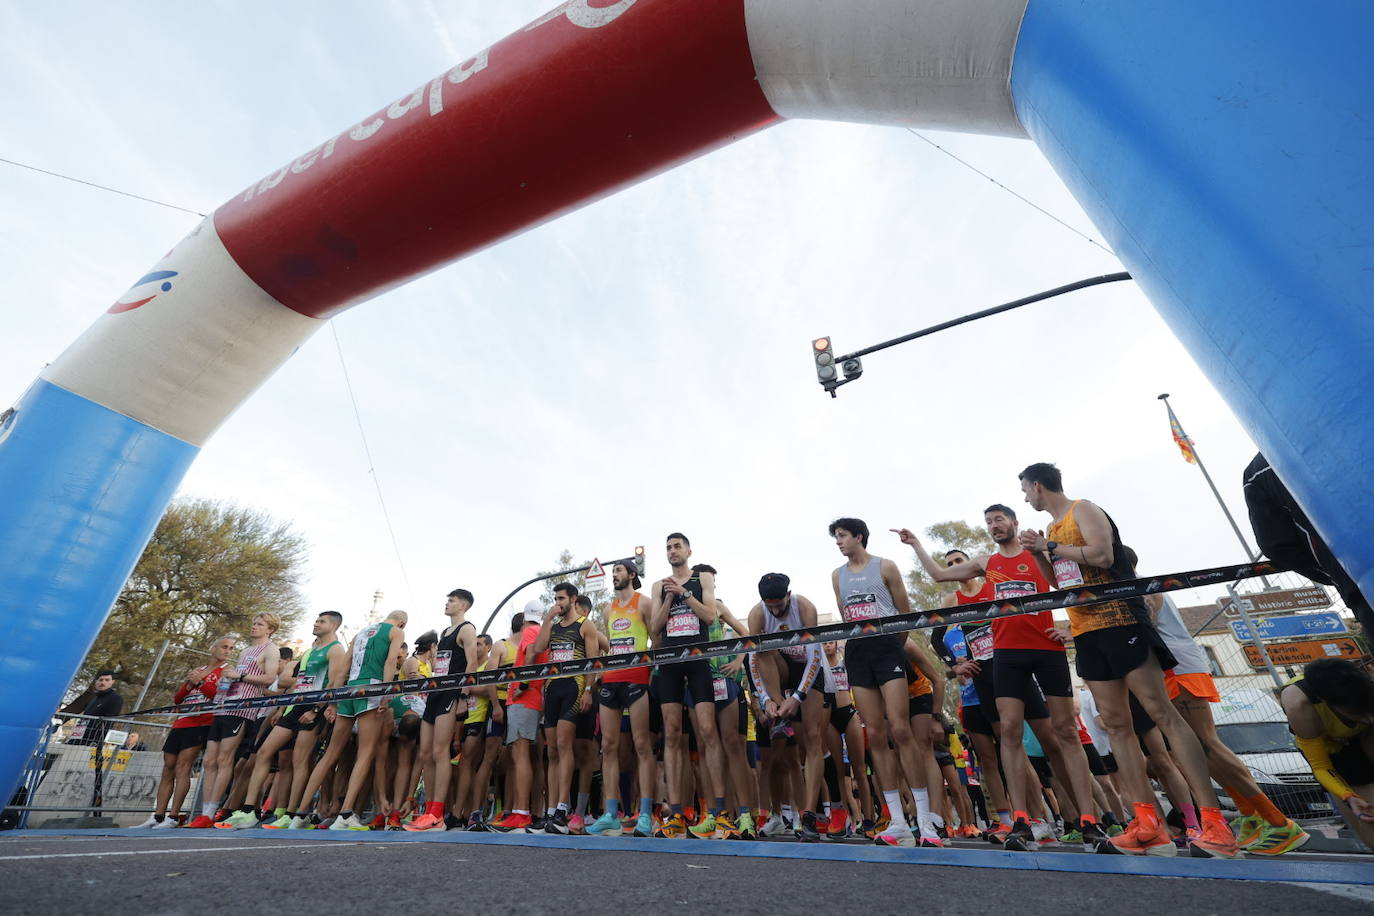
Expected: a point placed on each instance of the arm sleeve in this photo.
(1319, 758)
(813, 665)
(937, 642)
(756, 676)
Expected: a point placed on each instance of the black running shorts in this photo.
(874, 660)
(1013, 670)
(1112, 653)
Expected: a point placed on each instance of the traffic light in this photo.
(639, 560)
(825, 361)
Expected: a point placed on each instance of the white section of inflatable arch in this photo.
(183, 362)
(940, 64)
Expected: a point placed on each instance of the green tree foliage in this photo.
(599, 591)
(938, 538)
(208, 569)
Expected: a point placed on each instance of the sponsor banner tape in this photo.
(903, 623)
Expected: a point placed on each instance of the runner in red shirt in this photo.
(188, 735)
(1026, 663)
(524, 709)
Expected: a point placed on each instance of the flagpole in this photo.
(1173, 419)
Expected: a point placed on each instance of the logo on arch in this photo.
(148, 288)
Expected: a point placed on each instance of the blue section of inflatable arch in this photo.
(83, 489)
(1227, 151)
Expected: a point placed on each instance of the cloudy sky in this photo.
(638, 367)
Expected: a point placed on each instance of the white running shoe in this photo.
(774, 826)
(168, 822)
(301, 822)
(152, 821)
(1043, 832)
(347, 823)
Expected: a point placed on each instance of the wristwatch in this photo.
(1051, 547)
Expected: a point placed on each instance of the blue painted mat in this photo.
(1359, 870)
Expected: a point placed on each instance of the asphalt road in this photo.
(246, 874)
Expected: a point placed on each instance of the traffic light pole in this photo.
(853, 359)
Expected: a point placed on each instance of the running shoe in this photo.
(704, 829)
(152, 821)
(577, 826)
(999, 832)
(453, 821)
(807, 831)
(476, 824)
(674, 828)
(222, 815)
(1115, 830)
(277, 823)
(350, 822)
(644, 826)
(239, 820)
(1216, 842)
(1044, 833)
(1090, 835)
(838, 827)
(747, 828)
(726, 829)
(607, 824)
(539, 824)
(1021, 837)
(512, 823)
(1141, 839)
(774, 826)
(868, 829)
(169, 822)
(301, 822)
(425, 822)
(883, 822)
(1275, 841)
(1248, 828)
(392, 822)
(896, 836)
(201, 822)
(558, 824)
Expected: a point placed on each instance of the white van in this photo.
(1251, 722)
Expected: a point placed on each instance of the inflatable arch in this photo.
(1226, 154)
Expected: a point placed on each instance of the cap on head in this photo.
(774, 586)
(534, 610)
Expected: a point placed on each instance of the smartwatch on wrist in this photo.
(1051, 547)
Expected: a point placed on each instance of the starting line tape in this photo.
(903, 623)
(1306, 870)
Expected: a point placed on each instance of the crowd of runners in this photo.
(818, 742)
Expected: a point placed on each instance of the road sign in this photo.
(594, 571)
(1279, 602)
(1300, 653)
(1295, 626)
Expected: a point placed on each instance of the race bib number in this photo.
(561, 654)
(721, 691)
(1066, 573)
(622, 644)
(841, 675)
(796, 653)
(980, 643)
(684, 624)
(1014, 588)
(441, 662)
(237, 686)
(861, 607)
(305, 682)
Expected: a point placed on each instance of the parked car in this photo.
(1251, 723)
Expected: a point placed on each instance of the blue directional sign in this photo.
(1296, 626)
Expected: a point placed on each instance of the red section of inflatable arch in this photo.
(516, 136)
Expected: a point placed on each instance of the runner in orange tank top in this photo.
(1120, 653)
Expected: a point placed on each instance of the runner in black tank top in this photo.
(440, 718)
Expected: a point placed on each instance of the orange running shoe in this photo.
(1142, 838)
(839, 823)
(1217, 840)
(998, 833)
